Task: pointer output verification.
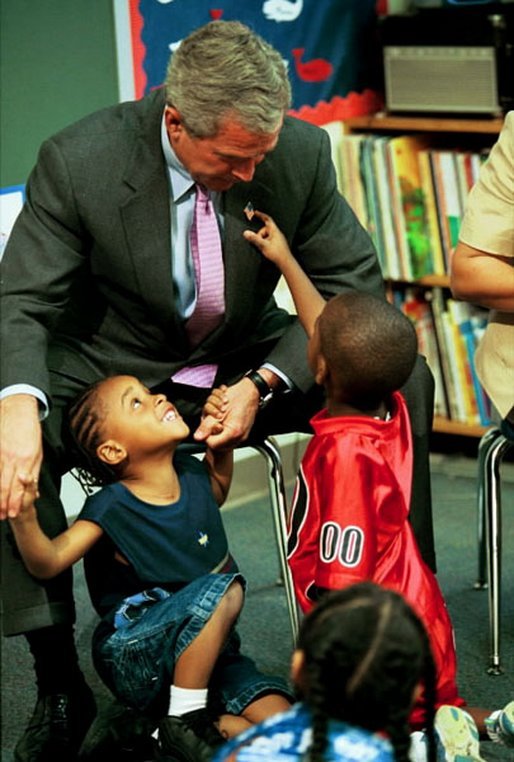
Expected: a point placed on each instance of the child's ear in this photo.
(111, 452)
(321, 369)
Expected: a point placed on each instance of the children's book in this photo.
(352, 186)
(409, 204)
(374, 217)
(416, 307)
(431, 215)
(392, 267)
(459, 315)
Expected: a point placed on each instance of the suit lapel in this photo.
(145, 217)
(242, 260)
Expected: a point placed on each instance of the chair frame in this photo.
(491, 449)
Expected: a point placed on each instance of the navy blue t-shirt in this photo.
(165, 545)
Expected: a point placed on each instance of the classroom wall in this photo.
(57, 64)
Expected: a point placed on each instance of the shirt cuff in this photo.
(33, 391)
(287, 381)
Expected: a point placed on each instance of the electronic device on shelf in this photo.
(457, 59)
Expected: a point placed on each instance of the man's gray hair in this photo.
(224, 70)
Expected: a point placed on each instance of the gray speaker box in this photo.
(441, 79)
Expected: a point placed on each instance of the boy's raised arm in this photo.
(273, 245)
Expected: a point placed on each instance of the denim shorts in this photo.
(137, 661)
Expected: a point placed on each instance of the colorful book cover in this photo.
(392, 259)
(478, 322)
(403, 152)
(459, 314)
(375, 227)
(402, 246)
(457, 386)
(452, 200)
(431, 216)
(415, 306)
(352, 185)
(441, 206)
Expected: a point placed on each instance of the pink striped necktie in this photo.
(207, 256)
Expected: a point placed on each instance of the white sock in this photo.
(183, 700)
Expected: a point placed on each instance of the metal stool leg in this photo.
(485, 443)
(492, 494)
(269, 449)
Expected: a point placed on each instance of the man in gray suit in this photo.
(98, 280)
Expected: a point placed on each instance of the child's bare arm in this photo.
(220, 465)
(45, 557)
(273, 245)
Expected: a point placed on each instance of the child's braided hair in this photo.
(365, 651)
(86, 416)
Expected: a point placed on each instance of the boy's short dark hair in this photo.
(369, 345)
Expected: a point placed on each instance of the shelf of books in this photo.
(407, 179)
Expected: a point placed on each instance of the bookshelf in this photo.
(407, 182)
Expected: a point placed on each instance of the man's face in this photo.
(221, 161)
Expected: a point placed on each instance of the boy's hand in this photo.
(270, 240)
(237, 420)
(214, 411)
(216, 404)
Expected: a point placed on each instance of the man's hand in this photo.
(21, 450)
(30, 495)
(237, 408)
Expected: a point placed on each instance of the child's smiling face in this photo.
(138, 419)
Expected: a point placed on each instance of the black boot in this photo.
(57, 727)
(119, 734)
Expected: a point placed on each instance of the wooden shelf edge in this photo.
(445, 426)
(427, 280)
(421, 123)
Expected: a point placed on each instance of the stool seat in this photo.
(491, 449)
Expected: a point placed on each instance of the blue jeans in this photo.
(137, 660)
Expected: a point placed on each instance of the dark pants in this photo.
(29, 604)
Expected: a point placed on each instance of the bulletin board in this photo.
(11, 202)
(329, 47)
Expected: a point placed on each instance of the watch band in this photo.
(264, 389)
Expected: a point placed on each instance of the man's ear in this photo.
(321, 373)
(111, 452)
(173, 122)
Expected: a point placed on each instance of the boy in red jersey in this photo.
(350, 515)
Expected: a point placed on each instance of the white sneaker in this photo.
(500, 725)
(418, 747)
(456, 736)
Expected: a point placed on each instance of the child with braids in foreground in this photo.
(349, 519)
(361, 654)
(169, 592)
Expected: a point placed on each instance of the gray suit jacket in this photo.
(87, 283)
